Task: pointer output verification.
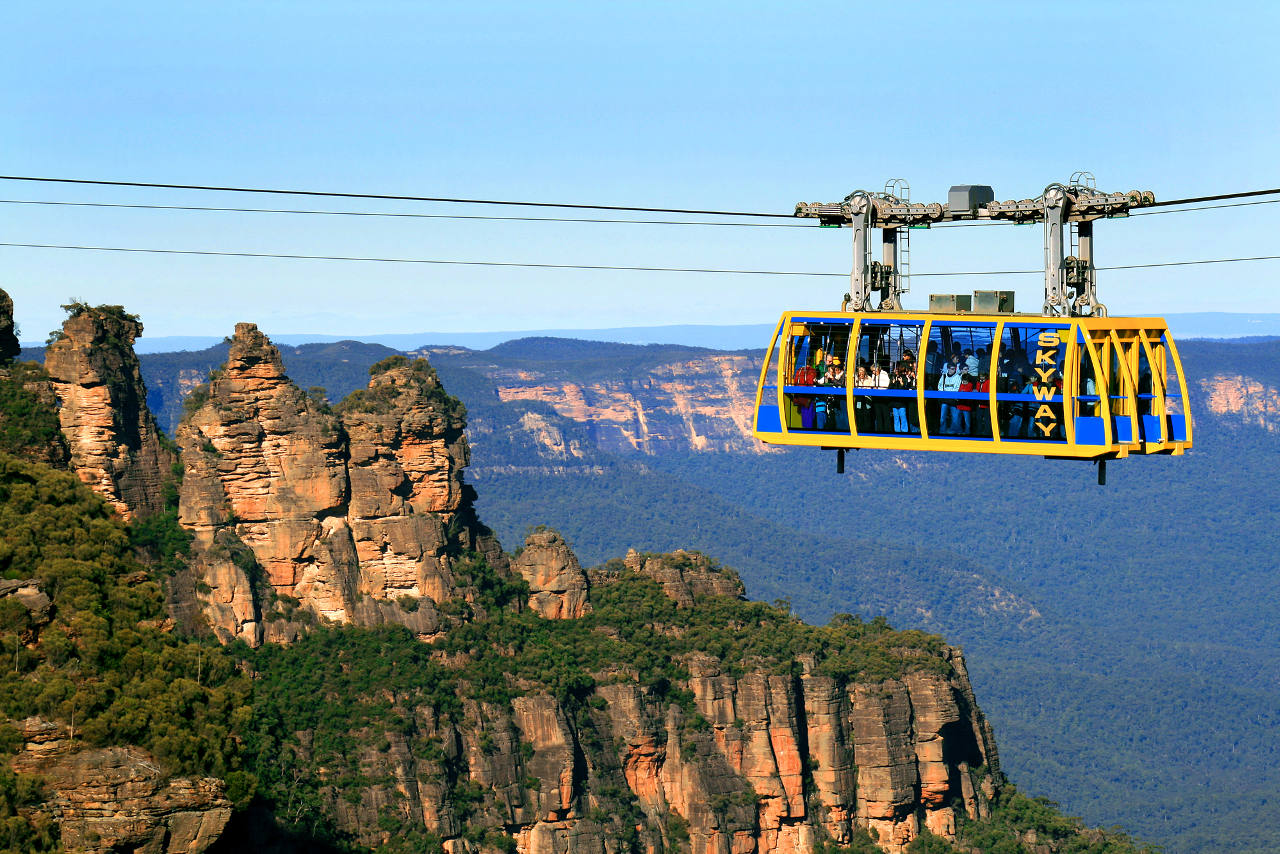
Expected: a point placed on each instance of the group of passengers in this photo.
(964, 372)
(887, 413)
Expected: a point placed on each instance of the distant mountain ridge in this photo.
(1209, 324)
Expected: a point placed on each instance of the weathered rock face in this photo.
(115, 799)
(115, 445)
(699, 404)
(339, 515)
(1242, 398)
(684, 575)
(557, 585)
(29, 595)
(9, 345)
(762, 762)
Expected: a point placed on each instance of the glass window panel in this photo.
(1088, 401)
(816, 376)
(1029, 381)
(770, 383)
(887, 356)
(958, 362)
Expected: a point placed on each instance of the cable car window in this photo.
(815, 377)
(1146, 393)
(769, 386)
(886, 364)
(1166, 372)
(957, 379)
(1029, 402)
(1087, 398)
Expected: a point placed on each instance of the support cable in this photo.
(382, 196)
(611, 267)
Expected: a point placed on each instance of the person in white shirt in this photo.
(950, 381)
(880, 405)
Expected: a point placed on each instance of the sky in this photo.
(726, 106)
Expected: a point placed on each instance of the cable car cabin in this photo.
(1067, 387)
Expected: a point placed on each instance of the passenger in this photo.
(982, 418)
(909, 380)
(835, 376)
(964, 408)
(1028, 410)
(899, 404)
(805, 375)
(835, 373)
(862, 403)
(880, 405)
(950, 381)
(970, 365)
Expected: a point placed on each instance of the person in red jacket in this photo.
(982, 417)
(964, 407)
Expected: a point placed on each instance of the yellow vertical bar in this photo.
(1070, 368)
(764, 369)
(920, 375)
(1101, 386)
(1182, 381)
(784, 356)
(1128, 386)
(1157, 388)
(993, 381)
(851, 373)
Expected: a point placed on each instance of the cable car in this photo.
(970, 375)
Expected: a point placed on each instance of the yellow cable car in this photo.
(1070, 387)
(1071, 383)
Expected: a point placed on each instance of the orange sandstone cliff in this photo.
(299, 510)
(116, 448)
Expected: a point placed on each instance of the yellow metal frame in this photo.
(1125, 337)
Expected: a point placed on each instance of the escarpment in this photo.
(659, 745)
(301, 512)
(115, 446)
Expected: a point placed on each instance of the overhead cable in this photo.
(610, 267)
(402, 215)
(382, 196)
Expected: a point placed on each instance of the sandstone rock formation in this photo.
(684, 575)
(113, 799)
(557, 584)
(9, 345)
(29, 595)
(115, 445)
(340, 515)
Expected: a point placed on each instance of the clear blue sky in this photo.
(741, 106)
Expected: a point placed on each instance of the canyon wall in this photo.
(702, 403)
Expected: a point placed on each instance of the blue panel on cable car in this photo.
(768, 420)
(1121, 429)
(1151, 428)
(1178, 428)
(1089, 431)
